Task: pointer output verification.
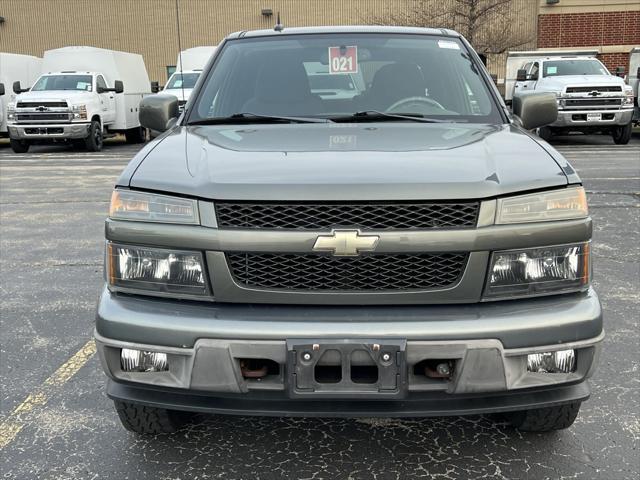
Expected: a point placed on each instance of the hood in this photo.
(54, 95)
(366, 161)
(578, 80)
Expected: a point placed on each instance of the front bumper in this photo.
(49, 131)
(488, 343)
(577, 118)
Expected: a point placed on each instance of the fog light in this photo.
(562, 361)
(142, 361)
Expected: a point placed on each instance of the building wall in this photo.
(148, 27)
(612, 27)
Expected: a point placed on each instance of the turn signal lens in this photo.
(149, 207)
(568, 203)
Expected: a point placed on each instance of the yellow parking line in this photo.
(11, 426)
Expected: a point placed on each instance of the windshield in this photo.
(556, 68)
(182, 80)
(63, 82)
(337, 75)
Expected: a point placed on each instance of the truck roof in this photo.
(344, 29)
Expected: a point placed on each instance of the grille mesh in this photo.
(313, 272)
(598, 88)
(322, 216)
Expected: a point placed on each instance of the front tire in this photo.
(136, 135)
(94, 140)
(544, 419)
(545, 133)
(19, 146)
(622, 135)
(148, 420)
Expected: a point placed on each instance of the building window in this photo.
(170, 70)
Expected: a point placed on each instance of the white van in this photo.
(14, 67)
(83, 95)
(189, 66)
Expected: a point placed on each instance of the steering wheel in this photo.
(406, 104)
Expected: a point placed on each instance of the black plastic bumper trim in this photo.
(416, 405)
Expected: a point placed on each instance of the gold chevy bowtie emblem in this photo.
(346, 243)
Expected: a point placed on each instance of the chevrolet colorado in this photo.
(412, 250)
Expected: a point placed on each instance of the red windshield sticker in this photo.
(343, 60)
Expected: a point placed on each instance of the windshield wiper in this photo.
(375, 115)
(253, 117)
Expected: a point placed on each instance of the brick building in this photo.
(612, 27)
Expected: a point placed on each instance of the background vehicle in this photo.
(83, 95)
(411, 251)
(516, 59)
(634, 81)
(590, 99)
(14, 67)
(189, 66)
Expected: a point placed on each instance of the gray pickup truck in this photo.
(412, 250)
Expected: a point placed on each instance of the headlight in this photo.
(149, 207)
(538, 271)
(79, 111)
(628, 92)
(155, 270)
(568, 203)
(11, 111)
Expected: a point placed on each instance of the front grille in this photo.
(41, 117)
(35, 104)
(599, 88)
(323, 216)
(313, 272)
(594, 103)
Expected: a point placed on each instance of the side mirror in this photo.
(155, 87)
(535, 109)
(158, 112)
(118, 87)
(521, 76)
(620, 71)
(17, 89)
(1, 89)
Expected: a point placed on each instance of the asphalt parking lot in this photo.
(58, 424)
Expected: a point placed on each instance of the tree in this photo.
(486, 24)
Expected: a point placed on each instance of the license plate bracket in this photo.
(360, 368)
(594, 117)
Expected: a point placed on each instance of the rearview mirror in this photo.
(157, 112)
(1, 89)
(521, 76)
(535, 109)
(17, 89)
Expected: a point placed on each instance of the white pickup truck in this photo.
(634, 81)
(84, 95)
(590, 99)
(14, 67)
(189, 65)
